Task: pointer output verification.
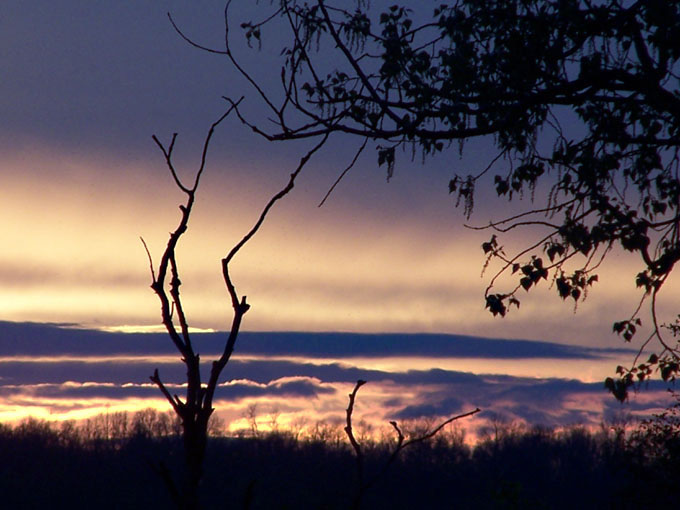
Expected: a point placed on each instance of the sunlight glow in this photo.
(418, 274)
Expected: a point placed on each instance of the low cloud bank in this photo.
(34, 339)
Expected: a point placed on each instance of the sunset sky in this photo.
(84, 87)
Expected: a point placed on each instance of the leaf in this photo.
(563, 287)
(666, 372)
(501, 184)
(619, 388)
(526, 283)
(642, 280)
(609, 383)
(494, 303)
(386, 156)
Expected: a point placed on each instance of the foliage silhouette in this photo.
(657, 440)
(580, 99)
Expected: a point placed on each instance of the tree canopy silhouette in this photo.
(580, 98)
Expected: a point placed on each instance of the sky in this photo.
(85, 86)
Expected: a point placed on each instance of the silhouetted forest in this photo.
(112, 461)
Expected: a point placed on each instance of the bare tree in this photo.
(363, 482)
(196, 408)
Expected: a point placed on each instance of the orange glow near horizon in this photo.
(78, 410)
(303, 416)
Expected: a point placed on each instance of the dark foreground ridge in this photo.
(111, 462)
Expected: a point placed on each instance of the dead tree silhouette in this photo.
(196, 408)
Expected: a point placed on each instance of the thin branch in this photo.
(491, 164)
(436, 430)
(238, 66)
(175, 402)
(175, 282)
(168, 160)
(241, 306)
(191, 41)
(344, 172)
(204, 154)
(359, 456)
(519, 224)
(348, 427)
(401, 445)
(148, 254)
(357, 68)
(291, 183)
(546, 210)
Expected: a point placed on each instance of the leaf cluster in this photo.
(580, 98)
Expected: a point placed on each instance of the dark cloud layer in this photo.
(414, 393)
(101, 372)
(46, 339)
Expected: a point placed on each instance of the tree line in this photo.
(108, 462)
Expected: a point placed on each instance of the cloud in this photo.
(117, 371)
(307, 387)
(38, 394)
(36, 338)
(443, 407)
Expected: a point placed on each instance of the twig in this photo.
(344, 172)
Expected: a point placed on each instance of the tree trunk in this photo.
(195, 436)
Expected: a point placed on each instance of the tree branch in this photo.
(362, 484)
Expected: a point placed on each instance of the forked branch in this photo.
(364, 483)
